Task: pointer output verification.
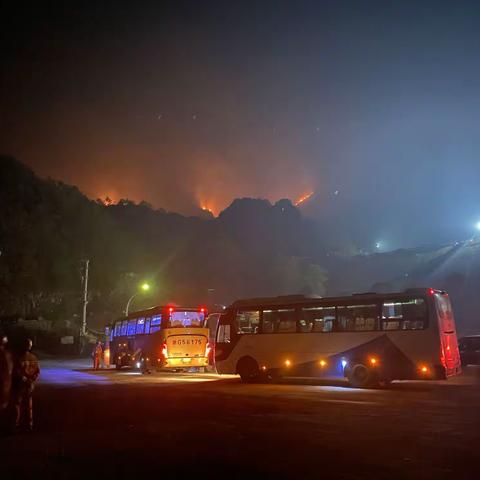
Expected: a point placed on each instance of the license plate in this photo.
(187, 360)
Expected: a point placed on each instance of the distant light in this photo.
(373, 361)
(477, 225)
(138, 364)
(344, 363)
(335, 192)
(145, 287)
(288, 363)
(323, 363)
(378, 245)
(264, 367)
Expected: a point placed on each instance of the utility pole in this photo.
(85, 298)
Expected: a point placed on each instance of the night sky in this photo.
(374, 106)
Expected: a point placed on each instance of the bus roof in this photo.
(293, 300)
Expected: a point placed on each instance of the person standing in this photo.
(97, 355)
(6, 368)
(25, 373)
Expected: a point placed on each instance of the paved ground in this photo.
(123, 424)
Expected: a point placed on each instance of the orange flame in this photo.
(303, 198)
(206, 209)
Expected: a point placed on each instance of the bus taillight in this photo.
(164, 350)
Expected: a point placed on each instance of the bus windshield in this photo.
(183, 319)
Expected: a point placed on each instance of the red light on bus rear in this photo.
(202, 310)
(431, 291)
(170, 309)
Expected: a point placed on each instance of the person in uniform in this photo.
(6, 368)
(97, 355)
(25, 373)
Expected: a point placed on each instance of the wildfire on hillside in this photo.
(205, 208)
(303, 198)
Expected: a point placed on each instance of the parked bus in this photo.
(163, 337)
(369, 338)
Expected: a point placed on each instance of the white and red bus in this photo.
(162, 337)
(368, 338)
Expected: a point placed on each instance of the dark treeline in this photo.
(254, 248)
(47, 230)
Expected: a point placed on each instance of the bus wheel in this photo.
(360, 376)
(248, 370)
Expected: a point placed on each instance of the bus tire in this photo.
(248, 370)
(360, 376)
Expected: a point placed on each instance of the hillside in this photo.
(253, 248)
(48, 228)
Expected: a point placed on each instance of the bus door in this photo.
(225, 336)
(450, 355)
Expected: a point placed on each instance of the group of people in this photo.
(19, 370)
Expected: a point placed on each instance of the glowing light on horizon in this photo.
(303, 198)
(207, 209)
(107, 200)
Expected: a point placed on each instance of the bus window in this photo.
(357, 318)
(155, 323)
(184, 319)
(404, 315)
(279, 321)
(318, 319)
(124, 328)
(131, 327)
(147, 325)
(248, 321)
(140, 325)
(118, 329)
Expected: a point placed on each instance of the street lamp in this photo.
(144, 287)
